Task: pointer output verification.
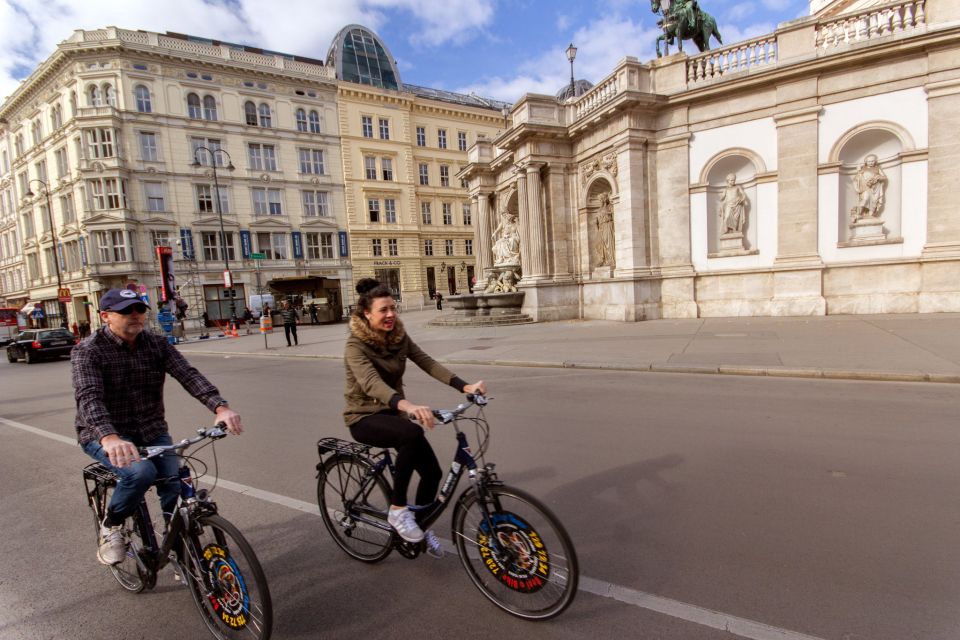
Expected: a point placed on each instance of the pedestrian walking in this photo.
(289, 322)
(313, 313)
(247, 319)
(439, 301)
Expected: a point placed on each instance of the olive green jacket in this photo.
(375, 368)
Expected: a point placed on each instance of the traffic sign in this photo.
(258, 256)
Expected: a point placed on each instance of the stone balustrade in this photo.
(876, 22)
(742, 56)
(599, 95)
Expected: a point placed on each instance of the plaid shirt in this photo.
(119, 390)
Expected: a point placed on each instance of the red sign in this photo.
(168, 289)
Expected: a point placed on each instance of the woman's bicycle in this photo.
(513, 548)
(206, 551)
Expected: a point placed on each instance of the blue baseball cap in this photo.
(117, 299)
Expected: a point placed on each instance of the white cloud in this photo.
(454, 21)
(563, 22)
(600, 45)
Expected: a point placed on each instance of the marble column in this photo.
(536, 264)
(482, 236)
(524, 211)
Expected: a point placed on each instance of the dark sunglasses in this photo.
(139, 308)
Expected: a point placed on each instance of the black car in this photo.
(36, 344)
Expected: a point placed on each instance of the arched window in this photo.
(265, 115)
(36, 132)
(111, 95)
(73, 104)
(193, 106)
(143, 99)
(301, 120)
(314, 122)
(250, 111)
(209, 108)
(56, 117)
(94, 95)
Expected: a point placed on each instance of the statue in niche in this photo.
(869, 183)
(733, 206)
(604, 222)
(506, 240)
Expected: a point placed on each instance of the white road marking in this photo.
(740, 627)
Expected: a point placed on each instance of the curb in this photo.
(657, 367)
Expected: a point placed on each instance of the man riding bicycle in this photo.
(118, 377)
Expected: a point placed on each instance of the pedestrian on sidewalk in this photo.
(313, 313)
(247, 319)
(289, 322)
(439, 301)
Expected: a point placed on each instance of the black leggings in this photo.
(287, 330)
(390, 431)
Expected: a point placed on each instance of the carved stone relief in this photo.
(607, 162)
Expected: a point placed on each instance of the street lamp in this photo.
(53, 239)
(213, 153)
(571, 54)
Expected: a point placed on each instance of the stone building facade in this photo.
(810, 171)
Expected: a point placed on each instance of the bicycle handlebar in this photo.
(213, 433)
(446, 416)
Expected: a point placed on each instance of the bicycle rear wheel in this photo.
(521, 558)
(338, 494)
(226, 580)
(129, 572)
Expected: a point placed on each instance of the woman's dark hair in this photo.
(370, 289)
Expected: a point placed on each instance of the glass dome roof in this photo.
(360, 56)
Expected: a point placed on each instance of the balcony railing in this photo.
(742, 56)
(872, 23)
(597, 96)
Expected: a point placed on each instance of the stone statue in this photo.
(733, 206)
(507, 283)
(604, 222)
(684, 20)
(506, 240)
(869, 183)
(491, 283)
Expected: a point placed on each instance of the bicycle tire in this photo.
(337, 483)
(130, 573)
(535, 577)
(226, 580)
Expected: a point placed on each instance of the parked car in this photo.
(35, 344)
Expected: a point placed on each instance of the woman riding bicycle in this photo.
(376, 410)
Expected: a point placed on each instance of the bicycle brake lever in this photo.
(149, 452)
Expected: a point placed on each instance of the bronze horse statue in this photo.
(685, 20)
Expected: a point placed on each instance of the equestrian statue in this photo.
(684, 20)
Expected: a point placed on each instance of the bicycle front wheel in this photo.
(130, 572)
(344, 500)
(516, 552)
(226, 580)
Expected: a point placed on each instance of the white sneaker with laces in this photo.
(434, 548)
(113, 544)
(404, 524)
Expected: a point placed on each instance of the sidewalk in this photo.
(908, 347)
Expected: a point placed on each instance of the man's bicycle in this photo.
(513, 548)
(207, 552)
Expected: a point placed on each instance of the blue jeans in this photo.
(134, 480)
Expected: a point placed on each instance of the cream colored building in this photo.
(13, 283)
(810, 171)
(410, 220)
(112, 123)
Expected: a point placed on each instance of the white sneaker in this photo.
(113, 544)
(434, 548)
(404, 524)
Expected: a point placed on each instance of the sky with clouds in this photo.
(495, 48)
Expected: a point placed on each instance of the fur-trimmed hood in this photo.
(362, 331)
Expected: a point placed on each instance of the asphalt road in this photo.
(780, 508)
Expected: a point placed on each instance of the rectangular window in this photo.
(468, 246)
(390, 210)
(105, 193)
(386, 166)
(111, 246)
(263, 157)
(205, 202)
(366, 124)
(467, 215)
(100, 143)
(315, 203)
(319, 246)
(272, 245)
(444, 175)
(391, 246)
(377, 247)
(424, 173)
(447, 213)
(428, 247)
(153, 191)
(267, 202)
(421, 136)
(66, 207)
(442, 138)
(425, 214)
(448, 247)
(206, 158)
(41, 169)
(370, 167)
(72, 251)
(159, 238)
(213, 247)
(63, 168)
(373, 206)
(462, 140)
(384, 129)
(311, 161)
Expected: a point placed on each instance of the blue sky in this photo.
(496, 48)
